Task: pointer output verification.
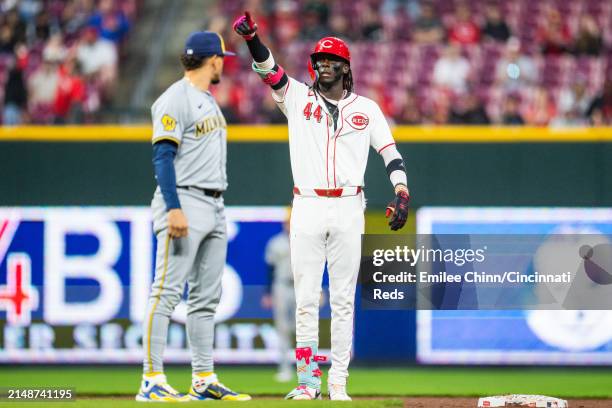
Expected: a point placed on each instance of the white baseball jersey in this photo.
(324, 157)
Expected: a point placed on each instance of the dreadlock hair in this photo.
(347, 81)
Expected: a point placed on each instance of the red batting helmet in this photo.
(329, 45)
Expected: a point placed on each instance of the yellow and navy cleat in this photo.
(209, 388)
(156, 389)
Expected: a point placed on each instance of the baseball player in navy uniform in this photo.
(331, 130)
(189, 158)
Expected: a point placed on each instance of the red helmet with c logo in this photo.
(329, 45)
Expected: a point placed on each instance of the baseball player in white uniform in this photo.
(189, 157)
(330, 132)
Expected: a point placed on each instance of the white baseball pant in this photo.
(327, 229)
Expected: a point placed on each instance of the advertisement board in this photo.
(580, 337)
(74, 283)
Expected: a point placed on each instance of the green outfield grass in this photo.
(413, 381)
(108, 403)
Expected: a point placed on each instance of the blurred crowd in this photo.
(59, 58)
(543, 63)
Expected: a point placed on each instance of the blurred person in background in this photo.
(589, 40)
(515, 70)
(76, 15)
(54, 49)
(42, 89)
(371, 23)
(287, 24)
(42, 26)
(463, 30)
(15, 94)
(495, 28)
(7, 44)
(314, 20)
(70, 96)
(600, 111)
(553, 34)
(411, 112)
(98, 58)
(468, 110)
(339, 27)
(111, 23)
(573, 104)
(511, 114)
(541, 108)
(227, 95)
(280, 296)
(428, 28)
(17, 26)
(271, 114)
(451, 71)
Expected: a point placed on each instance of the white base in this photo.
(521, 400)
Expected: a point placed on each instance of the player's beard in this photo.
(215, 81)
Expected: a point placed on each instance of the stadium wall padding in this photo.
(446, 166)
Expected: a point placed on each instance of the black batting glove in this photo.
(245, 26)
(398, 210)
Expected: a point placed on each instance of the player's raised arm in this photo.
(269, 71)
(382, 140)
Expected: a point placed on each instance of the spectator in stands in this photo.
(451, 71)
(313, 25)
(7, 44)
(495, 27)
(76, 15)
(589, 39)
(428, 28)
(464, 30)
(511, 114)
(411, 112)
(553, 34)
(54, 49)
(97, 58)
(468, 110)
(573, 104)
(42, 26)
(68, 106)
(371, 24)
(15, 95)
(600, 110)
(287, 24)
(339, 26)
(17, 26)
(541, 108)
(111, 23)
(271, 114)
(515, 70)
(42, 90)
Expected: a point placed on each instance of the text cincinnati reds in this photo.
(471, 277)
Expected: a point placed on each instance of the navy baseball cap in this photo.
(205, 44)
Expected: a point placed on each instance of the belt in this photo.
(327, 192)
(205, 191)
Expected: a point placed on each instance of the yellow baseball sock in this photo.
(153, 374)
(204, 374)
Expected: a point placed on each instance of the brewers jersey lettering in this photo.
(324, 157)
(193, 120)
